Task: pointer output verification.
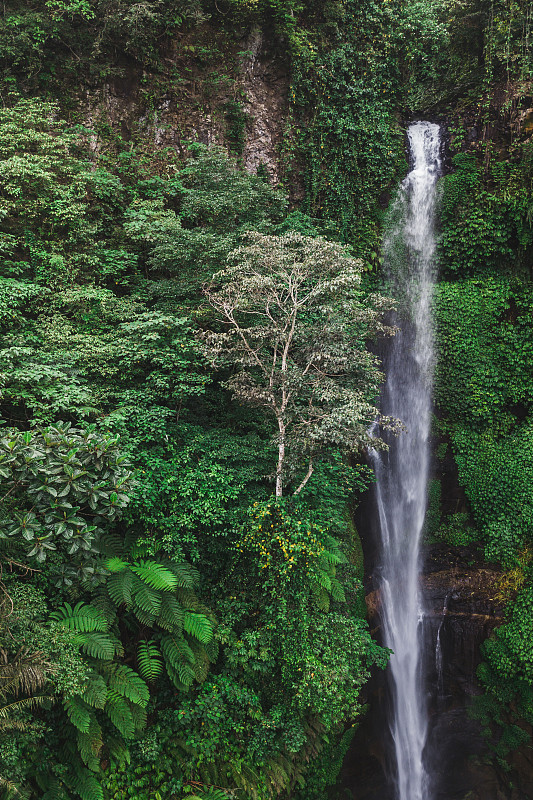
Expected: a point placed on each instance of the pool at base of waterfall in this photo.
(458, 580)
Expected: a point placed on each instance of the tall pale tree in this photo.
(294, 326)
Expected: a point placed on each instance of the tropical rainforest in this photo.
(188, 375)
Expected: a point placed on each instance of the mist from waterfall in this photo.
(402, 472)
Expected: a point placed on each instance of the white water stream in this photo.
(402, 473)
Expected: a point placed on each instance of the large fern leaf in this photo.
(87, 786)
(115, 564)
(119, 712)
(186, 575)
(90, 744)
(337, 591)
(128, 683)
(198, 625)
(179, 659)
(171, 614)
(139, 716)
(95, 693)
(324, 580)
(175, 650)
(149, 661)
(147, 599)
(201, 661)
(78, 713)
(155, 575)
(97, 645)
(119, 586)
(82, 618)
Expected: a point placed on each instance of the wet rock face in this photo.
(461, 612)
(193, 109)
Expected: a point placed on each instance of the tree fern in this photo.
(149, 661)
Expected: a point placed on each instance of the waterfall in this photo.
(439, 663)
(402, 472)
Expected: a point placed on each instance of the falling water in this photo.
(439, 662)
(402, 473)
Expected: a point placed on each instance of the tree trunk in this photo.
(281, 459)
(307, 476)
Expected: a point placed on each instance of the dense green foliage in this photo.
(484, 379)
(168, 611)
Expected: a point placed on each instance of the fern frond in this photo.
(201, 662)
(95, 693)
(106, 608)
(9, 789)
(187, 576)
(321, 598)
(97, 645)
(25, 703)
(147, 599)
(110, 544)
(119, 586)
(182, 675)
(178, 660)
(171, 614)
(90, 745)
(337, 591)
(24, 674)
(118, 750)
(155, 575)
(82, 618)
(149, 661)
(212, 649)
(119, 712)
(324, 580)
(126, 682)
(87, 786)
(198, 625)
(78, 713)
(175, 650)
(145, 619)
(139, 716)
(115, 564)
